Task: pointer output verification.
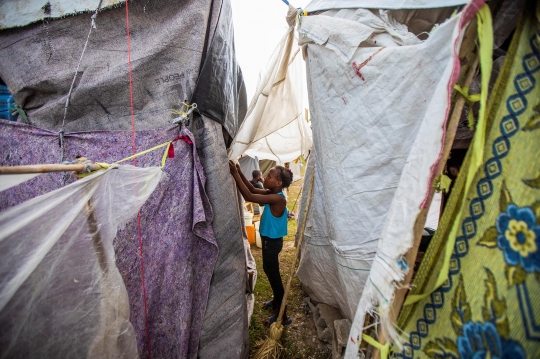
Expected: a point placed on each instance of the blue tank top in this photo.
(271, 226)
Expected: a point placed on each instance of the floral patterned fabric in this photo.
(490, 305)
(178, 245)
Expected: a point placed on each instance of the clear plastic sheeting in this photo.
(61, 294)
(274, 127)
(10, 180)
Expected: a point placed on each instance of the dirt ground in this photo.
(300, 338)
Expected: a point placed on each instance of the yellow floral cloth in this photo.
(490, 305)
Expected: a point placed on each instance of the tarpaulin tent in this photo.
(379, 84)
(274, 127)
(175, 50)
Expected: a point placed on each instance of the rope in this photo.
(62, 129)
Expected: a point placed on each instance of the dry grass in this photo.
(299, 339)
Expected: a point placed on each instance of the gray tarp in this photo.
(221, 93)
(169, 41)
(225, 327)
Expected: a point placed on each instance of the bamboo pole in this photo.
(400, 294)
(46, 168)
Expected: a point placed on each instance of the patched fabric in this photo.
(489, 306)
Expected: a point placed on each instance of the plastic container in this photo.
(258, 240)
(251, 234)
(248, 218)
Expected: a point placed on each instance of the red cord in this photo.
(139, 232)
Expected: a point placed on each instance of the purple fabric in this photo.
(179, 248)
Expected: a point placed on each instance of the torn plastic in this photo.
(61, 294)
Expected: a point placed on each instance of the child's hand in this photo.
(232, 167)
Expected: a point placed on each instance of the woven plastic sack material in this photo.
(61, 294)
(378, 129)
(274, 127)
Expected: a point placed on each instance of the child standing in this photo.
(273, 225)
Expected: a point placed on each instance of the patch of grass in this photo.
(300, 338)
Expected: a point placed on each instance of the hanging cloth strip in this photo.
(485, 39)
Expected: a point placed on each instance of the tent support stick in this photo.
(96, 237)
(47, 168)
(401, 294)
(297, 254)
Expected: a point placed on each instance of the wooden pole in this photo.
(469, 68)
(48, 168)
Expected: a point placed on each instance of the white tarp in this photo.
(317, 5)
(61, 294)
(378, 128)
(274, 127)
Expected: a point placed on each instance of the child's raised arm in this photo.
(266, 198)
(246, 181)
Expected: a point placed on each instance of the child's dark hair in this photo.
(285, 175)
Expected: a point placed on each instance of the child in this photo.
(257, 180)
(273, 226)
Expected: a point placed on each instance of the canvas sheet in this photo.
(492, 288)
(274, 127)
(178, 245)
(378, 126)
(167, 45)
(225, 327)
(58, 271)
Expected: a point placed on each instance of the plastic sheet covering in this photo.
(10, 180)
(225, 327)
(220, 93)
(16, 13)
(248, 165)
(274, 127)
(317, 5)
(378, 127)
(61, 294)
(167, 42)
(355, 27)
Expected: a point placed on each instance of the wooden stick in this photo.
(93, 227)
(47, 168)
(297, 253)
(453, 122)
